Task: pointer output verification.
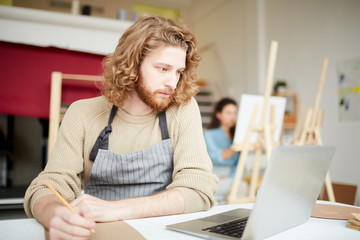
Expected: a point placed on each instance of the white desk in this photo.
(154, 228)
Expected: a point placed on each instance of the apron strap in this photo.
(163, 126)
(102, 142)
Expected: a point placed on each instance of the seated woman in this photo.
(219, 138)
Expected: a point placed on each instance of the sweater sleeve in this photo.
(65, 164)
(192, 174)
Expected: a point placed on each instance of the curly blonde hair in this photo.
(121, 69)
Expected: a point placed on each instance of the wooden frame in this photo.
(55, 101)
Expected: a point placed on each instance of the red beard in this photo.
(154, 99)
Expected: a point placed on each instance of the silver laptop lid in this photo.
(290, 187)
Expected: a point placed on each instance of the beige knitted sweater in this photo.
(69, 166)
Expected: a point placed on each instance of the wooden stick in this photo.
(64, 201)
(329, 188)
(305, 128)
(255, 174)
(55, 103)
(269, 79)
(321, 83)
(89, 78)
(319, 91)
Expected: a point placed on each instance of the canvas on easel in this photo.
(257, 134)
(310, 130)
(247, 104)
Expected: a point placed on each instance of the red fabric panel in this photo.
(25, 77)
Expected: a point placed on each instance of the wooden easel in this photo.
(264, 141)
(310, 132)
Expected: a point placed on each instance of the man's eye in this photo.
(162, 69)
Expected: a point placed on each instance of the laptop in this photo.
(288, 193)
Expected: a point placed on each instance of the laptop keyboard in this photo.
(233, 229)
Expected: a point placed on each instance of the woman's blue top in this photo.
(216, 142)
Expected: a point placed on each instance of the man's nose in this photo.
(172, 80)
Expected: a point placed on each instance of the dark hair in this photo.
(218, 107)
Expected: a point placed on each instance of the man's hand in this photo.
(101, 210)
(60, 221)
(68, 225)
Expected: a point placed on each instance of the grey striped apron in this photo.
(118, 176)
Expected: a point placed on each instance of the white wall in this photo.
(240, 32)
(220, 27)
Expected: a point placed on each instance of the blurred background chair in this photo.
(57, 110)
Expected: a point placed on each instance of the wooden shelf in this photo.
(62, 30)
(291, 112)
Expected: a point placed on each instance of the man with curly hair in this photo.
(137, 150)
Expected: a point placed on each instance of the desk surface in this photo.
(154, 228)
